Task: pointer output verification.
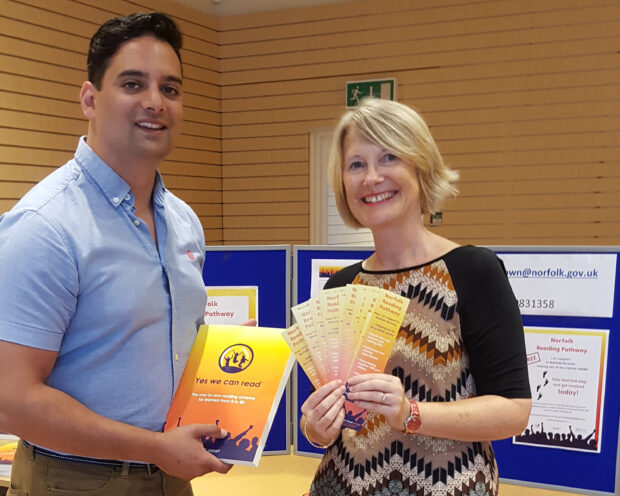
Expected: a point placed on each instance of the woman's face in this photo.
(381, 190)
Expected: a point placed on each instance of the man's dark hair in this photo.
(113, 33)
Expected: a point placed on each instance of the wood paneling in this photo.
(522, 98)
(43, 49)
(261, 209)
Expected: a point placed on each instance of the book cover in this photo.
(234, 378)
(8, 446)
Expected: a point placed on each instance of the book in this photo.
(8, 446)
(343, 332)
(234, 377)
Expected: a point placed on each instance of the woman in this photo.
(457, 375)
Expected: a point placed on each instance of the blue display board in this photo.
(302, 280)
(553, 468)
(267, 267)
(563, 469)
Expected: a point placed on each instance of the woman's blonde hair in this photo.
(400, 130)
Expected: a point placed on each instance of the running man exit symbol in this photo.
(378, 88)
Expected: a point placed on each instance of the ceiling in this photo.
(238, 7)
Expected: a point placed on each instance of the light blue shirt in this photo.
(81, 275)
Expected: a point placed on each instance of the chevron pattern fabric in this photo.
(430, 359)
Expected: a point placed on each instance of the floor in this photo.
(290, 475)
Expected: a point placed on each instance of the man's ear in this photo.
(87, 99)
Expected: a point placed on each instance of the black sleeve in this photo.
(343, 276)
(491, 323)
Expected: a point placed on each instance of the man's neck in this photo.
(141, 186)
(138, 172)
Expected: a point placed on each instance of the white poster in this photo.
(232, 305)
(562, 284)
(567, 379)
(322, 270)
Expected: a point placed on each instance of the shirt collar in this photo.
(113, 186)
(159, 190)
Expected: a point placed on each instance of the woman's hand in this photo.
(323, 413)
(381, 393)
(481, 418)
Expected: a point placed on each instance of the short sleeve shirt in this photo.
(81, 275)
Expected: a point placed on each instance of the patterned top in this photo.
(462, 336)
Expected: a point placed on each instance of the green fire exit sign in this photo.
(377, 88)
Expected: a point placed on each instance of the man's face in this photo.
(137, 112)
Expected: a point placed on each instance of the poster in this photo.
(562, 284)
(567, 379)
(322, 270)
(233, 305)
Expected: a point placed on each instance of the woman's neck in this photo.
(406, 248)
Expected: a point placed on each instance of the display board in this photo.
(267, 268)
(571, 315)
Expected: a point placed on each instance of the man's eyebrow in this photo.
(132, 73)
(174, 79)
(140, 74)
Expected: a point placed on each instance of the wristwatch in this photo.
(413, 421)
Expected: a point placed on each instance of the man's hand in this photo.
(182, 454)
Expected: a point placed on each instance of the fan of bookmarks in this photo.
(346, 331)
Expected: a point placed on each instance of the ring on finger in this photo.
(383, 398)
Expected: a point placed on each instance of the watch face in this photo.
(413, 424)
(413, 421)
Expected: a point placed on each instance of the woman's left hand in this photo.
(381, 393)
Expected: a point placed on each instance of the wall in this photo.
(522, 97)
(43, 49)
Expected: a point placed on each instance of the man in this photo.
(101, 290)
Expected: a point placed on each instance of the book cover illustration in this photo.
(234, 378)
(343, 332)
(8, 446)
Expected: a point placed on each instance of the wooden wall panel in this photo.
(521, 97)
(366, 15)
(43, 49)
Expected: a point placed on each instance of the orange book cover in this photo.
(8, 445)
(234, 377)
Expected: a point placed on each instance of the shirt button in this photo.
(127, 197)
(136, 222)
(116, 200)
(176, 357)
